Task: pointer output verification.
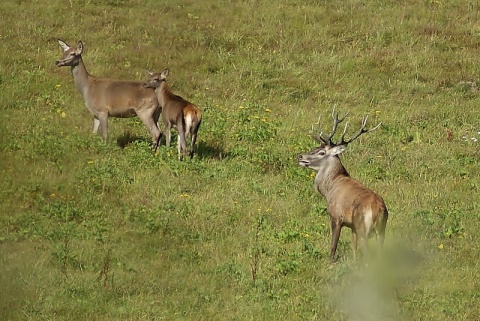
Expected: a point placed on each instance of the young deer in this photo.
(176, 112)
(106, 97)
(349, 203)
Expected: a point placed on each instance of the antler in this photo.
(328, 139)
(360, 132)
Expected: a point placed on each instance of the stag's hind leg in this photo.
(380, 236)
(359, 239)
(380, 227)
(354, 244)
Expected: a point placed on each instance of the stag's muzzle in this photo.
(302, 161)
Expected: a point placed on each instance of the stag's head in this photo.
(155, 79)
(318, 158)
(71, 56)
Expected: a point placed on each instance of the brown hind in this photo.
(176, 113)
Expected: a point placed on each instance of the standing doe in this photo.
(349, 203)
(106, 97)
(176, 113)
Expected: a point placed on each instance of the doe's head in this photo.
(155, 78)
(70, 55)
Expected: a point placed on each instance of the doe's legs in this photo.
(96, 125)
(168, 133)
(152, 127)
(103, 118)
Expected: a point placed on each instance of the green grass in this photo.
(112, 232)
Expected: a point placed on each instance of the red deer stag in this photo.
(106, 97)
(349, 203)
(176, 113)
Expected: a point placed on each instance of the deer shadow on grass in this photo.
(203, 150)
(128, 138)
(207, 151)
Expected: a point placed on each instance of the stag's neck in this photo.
(80, 77)
(331, 173)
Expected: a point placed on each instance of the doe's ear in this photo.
(149, 72)
(337, 150)
(165, 73)
(79, 49)
(63, 45)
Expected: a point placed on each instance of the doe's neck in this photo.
(163, 92)
(80, 76)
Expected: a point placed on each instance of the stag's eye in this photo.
(321, 153)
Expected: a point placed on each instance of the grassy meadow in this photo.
(90, 231)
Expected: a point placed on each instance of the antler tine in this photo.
(344, 116)
(327, 139)
(344, 131)
(336, 122)
(319, 138)
(360, 132)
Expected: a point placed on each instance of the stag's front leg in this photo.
(336, 228)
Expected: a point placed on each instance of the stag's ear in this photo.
(337, 150)
(63, 45)
(149, 72)
(165, 73)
